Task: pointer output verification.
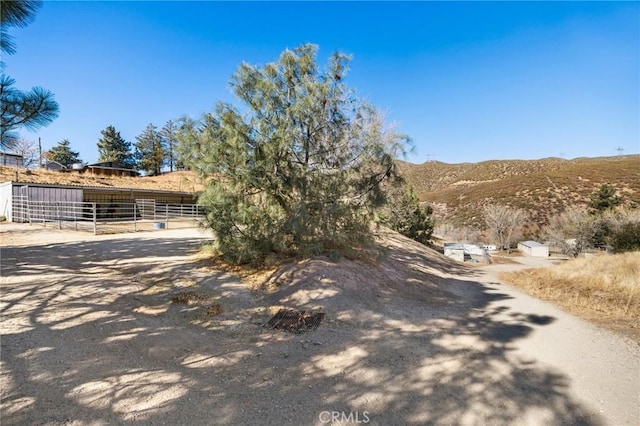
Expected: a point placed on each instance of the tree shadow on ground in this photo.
(78, 347)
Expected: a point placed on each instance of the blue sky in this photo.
(467, 81)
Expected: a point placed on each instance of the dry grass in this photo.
(604, 289)
(177, 181)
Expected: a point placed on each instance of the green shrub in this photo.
(627, 238)
(403, 214)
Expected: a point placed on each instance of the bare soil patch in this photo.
(90, 335)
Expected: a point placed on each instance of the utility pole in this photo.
(39, 152)
(620, 149)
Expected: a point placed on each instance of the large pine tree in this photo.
(150, 151)
(113, 148)
(61, 153)
(300, 170)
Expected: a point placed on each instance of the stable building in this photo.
(533, 249)
(16, 198)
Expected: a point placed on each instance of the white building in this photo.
(459, 251)
(533, 249)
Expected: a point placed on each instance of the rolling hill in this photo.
(458, 192)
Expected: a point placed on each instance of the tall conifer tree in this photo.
(113, 148)
(62, 153)
(150, 151)
(168, 135)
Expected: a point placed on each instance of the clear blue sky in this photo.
(467, 81)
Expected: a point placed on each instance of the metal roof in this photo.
(531, 244)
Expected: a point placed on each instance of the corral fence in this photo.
(106, 218)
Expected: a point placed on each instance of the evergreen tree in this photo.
(113, 148)
(403, 214)
(605, 199)
(168, 135)
(33, 109)
(301, 172)
(62, 154)
(150, 151)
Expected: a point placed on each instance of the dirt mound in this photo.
(405, 279)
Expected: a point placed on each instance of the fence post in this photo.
(135, 214)
(28, 210)
(44, 220)
(93, 207)
(166, 215)
(59, 216)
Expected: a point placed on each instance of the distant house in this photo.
(8, 159)
(53, 165)
(107, 168)
(110, 168)
(533, 249)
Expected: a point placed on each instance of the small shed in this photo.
(533, 249)
(460, 251)
(53, 165)
(8, 159)
(454, 253)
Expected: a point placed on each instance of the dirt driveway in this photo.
(89, 336)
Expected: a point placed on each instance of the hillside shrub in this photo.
(626, 238)
(403, 213)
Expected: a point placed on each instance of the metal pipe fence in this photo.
(101, 218)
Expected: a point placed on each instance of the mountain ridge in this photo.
(543, 187)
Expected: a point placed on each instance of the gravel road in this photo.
(89, 336)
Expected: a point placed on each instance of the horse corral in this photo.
(97, 209)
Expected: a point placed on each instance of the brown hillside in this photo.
(542, 187)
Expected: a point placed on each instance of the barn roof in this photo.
(531, 244)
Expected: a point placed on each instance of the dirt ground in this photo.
(89, 335)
